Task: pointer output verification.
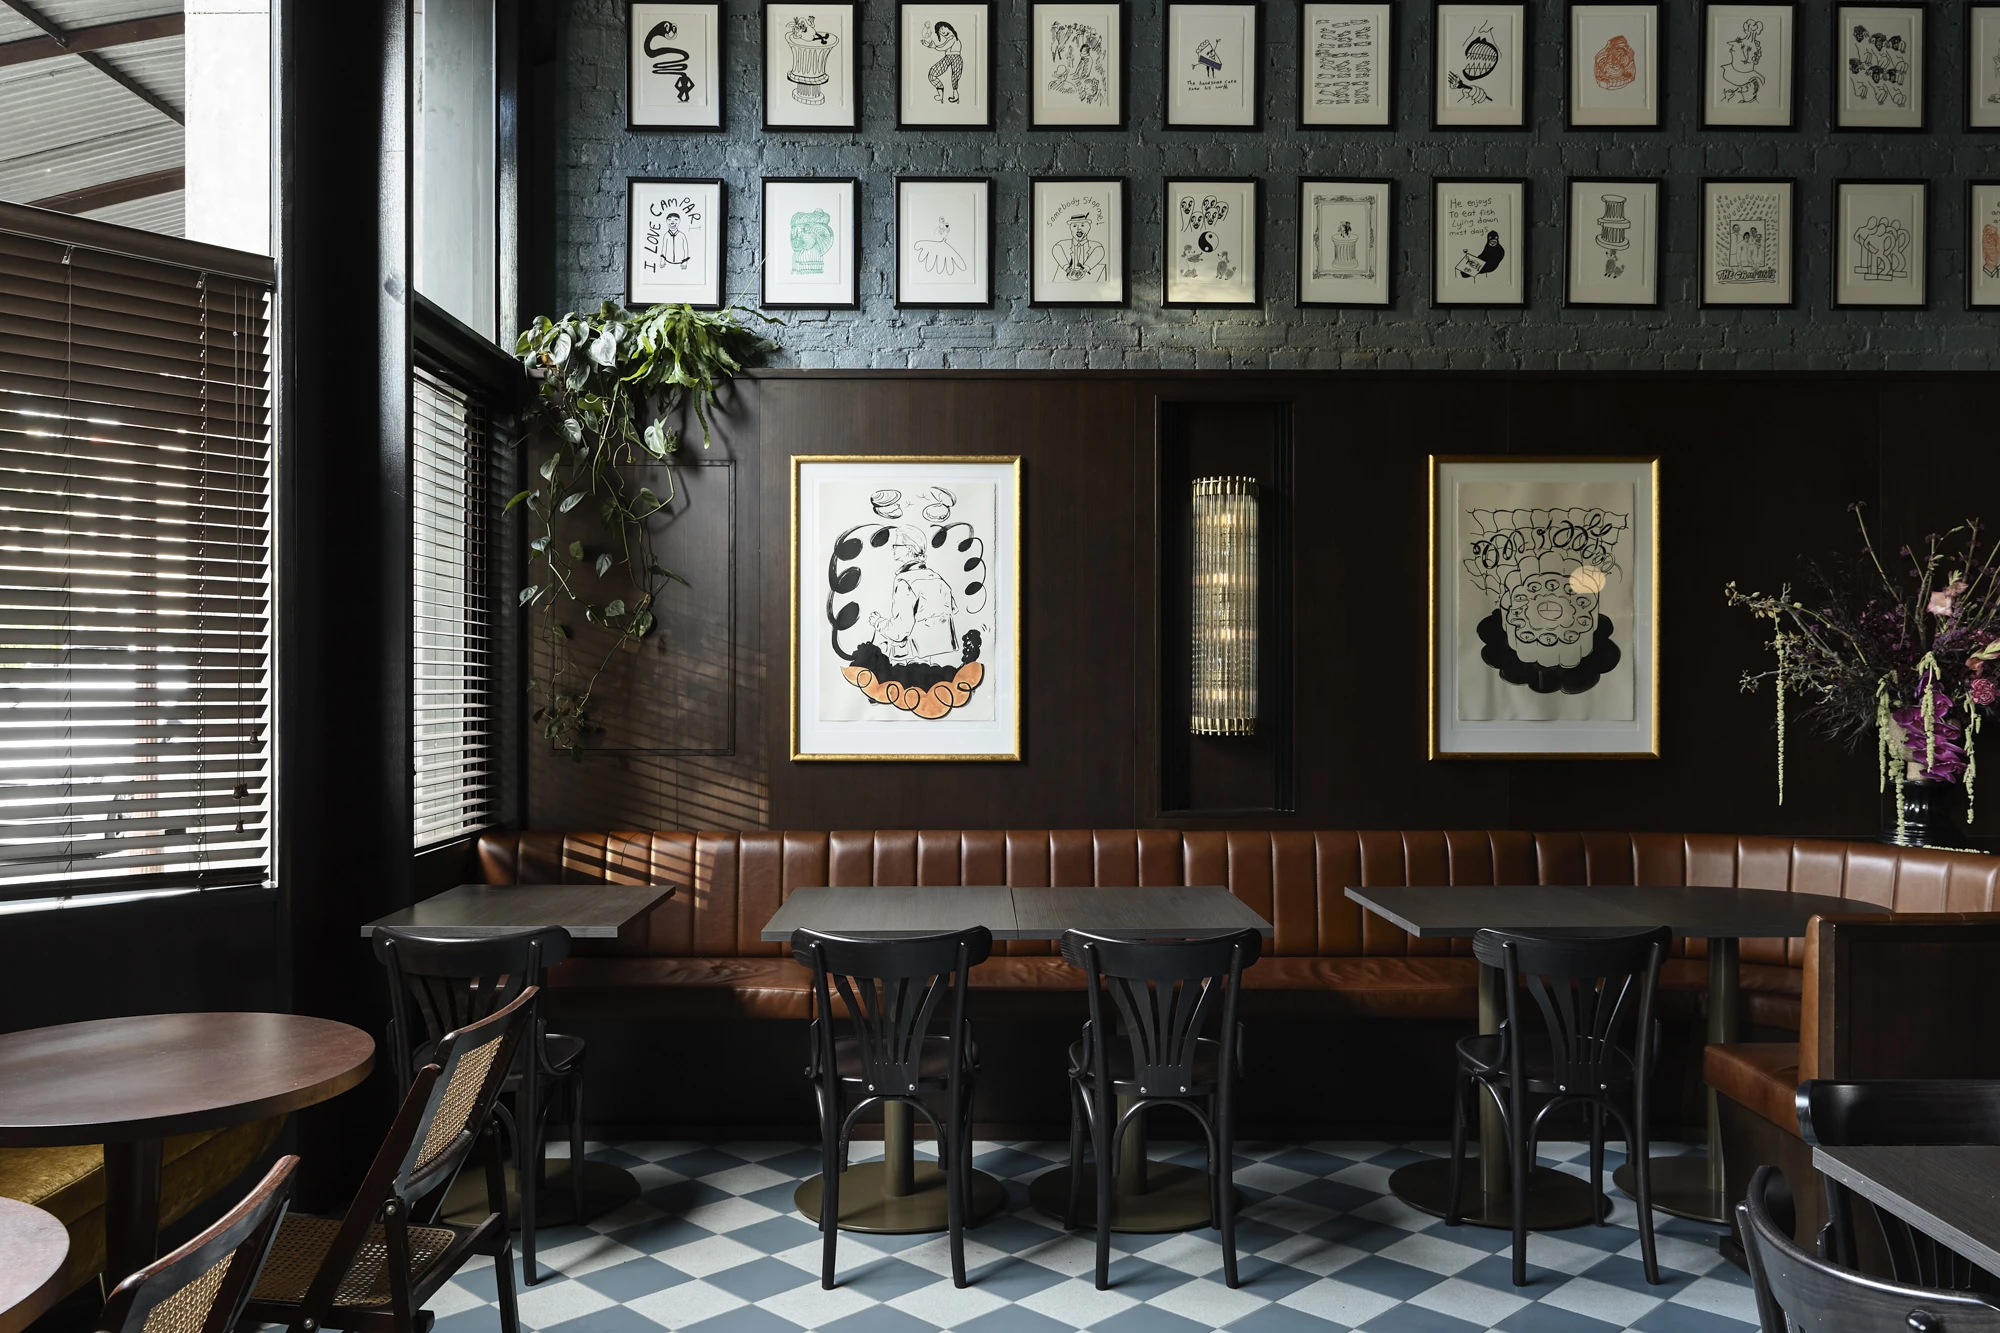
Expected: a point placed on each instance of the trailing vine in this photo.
(612, 387)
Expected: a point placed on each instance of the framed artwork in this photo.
(1210, 248)
(1347, 247)
(906, 607)
(1076, 66)
(673, 66)
(1982, 269)
(1479, 244)
(1214, 52)
(812, 244)
(809, 66)
(1982, 66)
(1080, 241)
(1881, 235)
(944, 65)
(1614, 244)
(1347, 64)
(1879, 74)
(1748, 256)
(944, 242)
(1479, 66)
(674, 232)
(1748, 55)
(1545, 582)
(1614, 65)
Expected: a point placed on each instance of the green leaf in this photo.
(516, 500)
(642, 623)
(658, 441)
(570, 502)
(529, 594)
(576, 550)
(605, 350)
(615, 607)
(539, 544)
(572, 430)
(604, 564)
(548, 467)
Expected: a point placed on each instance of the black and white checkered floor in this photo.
(713, 1244)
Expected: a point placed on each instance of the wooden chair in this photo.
(1165, 992)
(374, 1268)
(203, 1286)
(1797, 1290)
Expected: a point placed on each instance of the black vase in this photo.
(1933, 814)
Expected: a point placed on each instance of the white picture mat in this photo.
(1983, 110)
(1060, 254)
(1592, 27)
(950, 263)
(822, 695)
(1461, 605)
(665, 269)
(1345, 66)
(1589, 256)
(1225, 271)
(835, 283)
(654, 99)
(920, 100)
(782, 100)
(1736, 91)
(1463, 214)
(1082, 72)
(1879, 234)
(1344, 253)
(1726, 225)
(1463, 32)
(1224, 92)
(1866, 102)
(1983, 245)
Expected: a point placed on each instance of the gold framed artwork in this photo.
(1545, 620)
(906, 607)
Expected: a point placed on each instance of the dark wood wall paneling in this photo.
(1757, 474)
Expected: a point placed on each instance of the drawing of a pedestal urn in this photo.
(810, 49)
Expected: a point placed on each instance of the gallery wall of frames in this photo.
(1364, 162)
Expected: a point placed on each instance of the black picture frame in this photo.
(992, 94)
(853, 8)
(721, 229)
(1791, 124)
(1921, 244)
(1527, 68)
(1167, 121)
(1525, 255)
(1972, 9)
(1973, 254)
(987, 183)
(1835, 63)
(632, 125)
(853, 183)
(1255, 232)
(1702, 240)
(1124, 183)
(1659, 184)
(1388, 244)
(1389, 86)
(1660, 80)
(1122, 59)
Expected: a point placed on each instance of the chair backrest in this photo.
(890, 989)
(1585, 984)
(1166, 991)
(203, 1286)
(1819, 1297)
(438, 984)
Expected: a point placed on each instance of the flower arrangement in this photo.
(1913, 658)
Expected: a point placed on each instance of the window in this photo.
(135, 503)
(452, 712)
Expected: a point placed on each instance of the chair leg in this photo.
(956, 1178)
(831, 1160)
(1518, 1181)
(1105, 1153)
(527, 1173)
(576, 1143)
(503, 1285)
(1224, 1173)
(1463, 1089)
(1600, 1202)
(1638, 1147)
(1078, 1118)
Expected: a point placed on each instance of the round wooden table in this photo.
(34, 1258)
(128, 1083)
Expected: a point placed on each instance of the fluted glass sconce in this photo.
(1225, 607)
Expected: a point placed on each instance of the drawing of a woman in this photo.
(950, 62)
(918, 626)
(1740, 80)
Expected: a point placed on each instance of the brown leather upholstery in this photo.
(1763, 1076)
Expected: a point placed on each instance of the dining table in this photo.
(129, 1083)
(34, 1263)
(1949, 1193)
(898, 1195)
(1690, 1185)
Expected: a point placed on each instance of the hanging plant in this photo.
(615, 388)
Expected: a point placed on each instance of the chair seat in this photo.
(933, 1064)
(1207, 1065)
(302, 1245)
(1485, 1056)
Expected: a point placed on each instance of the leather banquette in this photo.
(698, 954)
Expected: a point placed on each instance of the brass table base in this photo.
(1680, 1187)
(605, 1188)
(866, 1206)
(1556, 1201)
(1175, 1199)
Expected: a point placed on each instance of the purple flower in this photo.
(1948, 764)
(1984, 691)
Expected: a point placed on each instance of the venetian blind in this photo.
(452, 711)
(135, 503)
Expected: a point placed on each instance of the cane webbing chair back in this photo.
(1165, 991)
(203, 1286)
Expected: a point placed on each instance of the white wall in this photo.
(229, 149)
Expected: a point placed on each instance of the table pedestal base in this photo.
(605, 1188)
(1175, 1199)
(866, 1204)
(1556, 1201)
(1681, 1187)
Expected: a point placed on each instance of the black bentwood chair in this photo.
(203, 1286)
(449, 982)
(890, 990)
(1797, 1291)
(1585, 987)
(1165, 992)
(1913, 1111)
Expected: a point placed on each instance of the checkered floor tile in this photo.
(714, 1245)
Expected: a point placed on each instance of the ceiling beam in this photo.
(93, 197)
(61, 36)
(100, 38)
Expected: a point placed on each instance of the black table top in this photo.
(1951, 1194)
(587, 911)
(1013, 914)
(1447, 911)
